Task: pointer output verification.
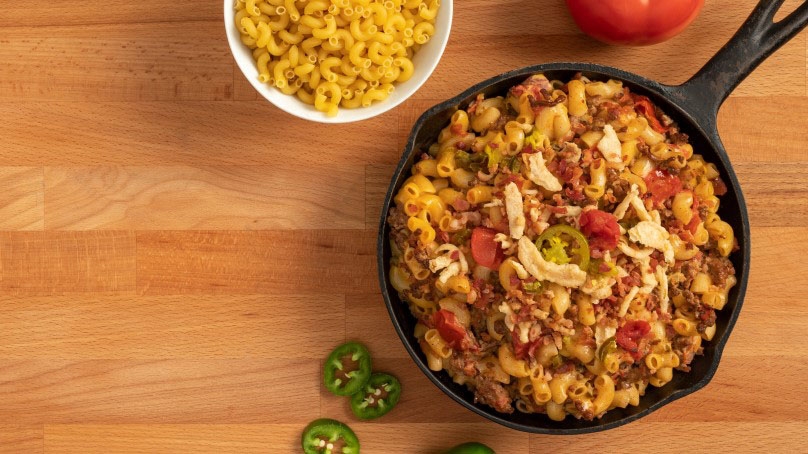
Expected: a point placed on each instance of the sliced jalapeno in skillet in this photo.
(347, 369)
(377, 397)
(471, 448)
(608, 347)
(563, 244)
(329, 436)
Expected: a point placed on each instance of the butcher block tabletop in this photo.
(178, 256)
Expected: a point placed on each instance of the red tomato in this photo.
(450, 329)
(633, 22)
(662, 185)
(484, 249)
(643, 105)
(601, 229)
(628, 336)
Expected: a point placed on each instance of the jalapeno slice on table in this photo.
(329, 436)
(562, 244)
(471, 448)
(347, 369)
(377, 397)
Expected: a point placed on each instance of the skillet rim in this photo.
(697, 118)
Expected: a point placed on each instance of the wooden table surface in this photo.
(177, 256)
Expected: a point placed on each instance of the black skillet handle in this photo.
(757, 38)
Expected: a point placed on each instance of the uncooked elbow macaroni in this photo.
(335, 53)
(563, 244)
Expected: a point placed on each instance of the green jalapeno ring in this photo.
(329, 436)
(377, 397)
(554, 236)
(471, 448)
(347, 369)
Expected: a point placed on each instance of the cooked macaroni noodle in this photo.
(563, 247)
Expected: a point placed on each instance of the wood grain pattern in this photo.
(67, 262)
(177, 256)
(192, 198)
(119, 62)
(16, 439)
(225, 327)
(182, 133)
(41, 391)
(257, 262)
(781, 191)
(22, 203)
(255, 438)
(365, 316)
(168, 439)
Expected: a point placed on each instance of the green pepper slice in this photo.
(471, 448)
(562, 244)
(469, 161)
(462, 158)
(608, 346)
(532, 287)
(347, 369)
(494, 156)
(329, 436)
(461, 236)
(377, 397)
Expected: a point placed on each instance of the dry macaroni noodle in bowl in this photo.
(565, 248)
(337, 60)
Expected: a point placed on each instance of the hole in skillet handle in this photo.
(732, 210)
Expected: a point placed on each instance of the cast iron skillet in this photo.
(694, 105)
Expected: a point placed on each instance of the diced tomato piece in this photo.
(484, 249)
(601, 229)
(643, 106)
(662, 185)
(696, 219)
(628, 336)
(450, 329)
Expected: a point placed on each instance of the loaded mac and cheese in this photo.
(560, 248)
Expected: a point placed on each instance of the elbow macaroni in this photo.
(347, 40)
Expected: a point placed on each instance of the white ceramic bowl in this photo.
(425, 61)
